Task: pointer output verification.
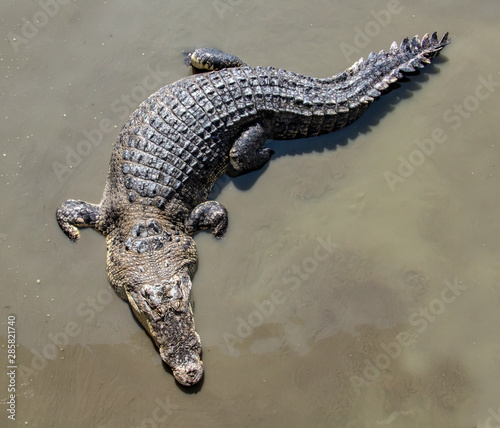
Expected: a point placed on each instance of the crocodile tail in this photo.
(371, 76)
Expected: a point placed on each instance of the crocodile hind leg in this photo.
(208, 59)
(73, 214)
(209, 214)
(248, 152)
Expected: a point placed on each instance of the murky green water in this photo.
(359, 282)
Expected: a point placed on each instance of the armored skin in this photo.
(179, 142)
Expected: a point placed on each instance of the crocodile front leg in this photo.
(73, 214)
(248, 152)
(208, 215)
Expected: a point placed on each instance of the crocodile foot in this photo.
(209, 214)
(73, 214)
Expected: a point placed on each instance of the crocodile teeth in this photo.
(381, 86)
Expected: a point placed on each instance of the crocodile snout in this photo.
(189, 373)
(184, 359)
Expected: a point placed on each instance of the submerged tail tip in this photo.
(428, 47)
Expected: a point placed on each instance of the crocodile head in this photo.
(150, 265)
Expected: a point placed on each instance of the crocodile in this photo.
(180, 141)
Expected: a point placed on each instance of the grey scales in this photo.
(180, 141)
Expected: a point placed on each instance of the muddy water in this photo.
(358, 283)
